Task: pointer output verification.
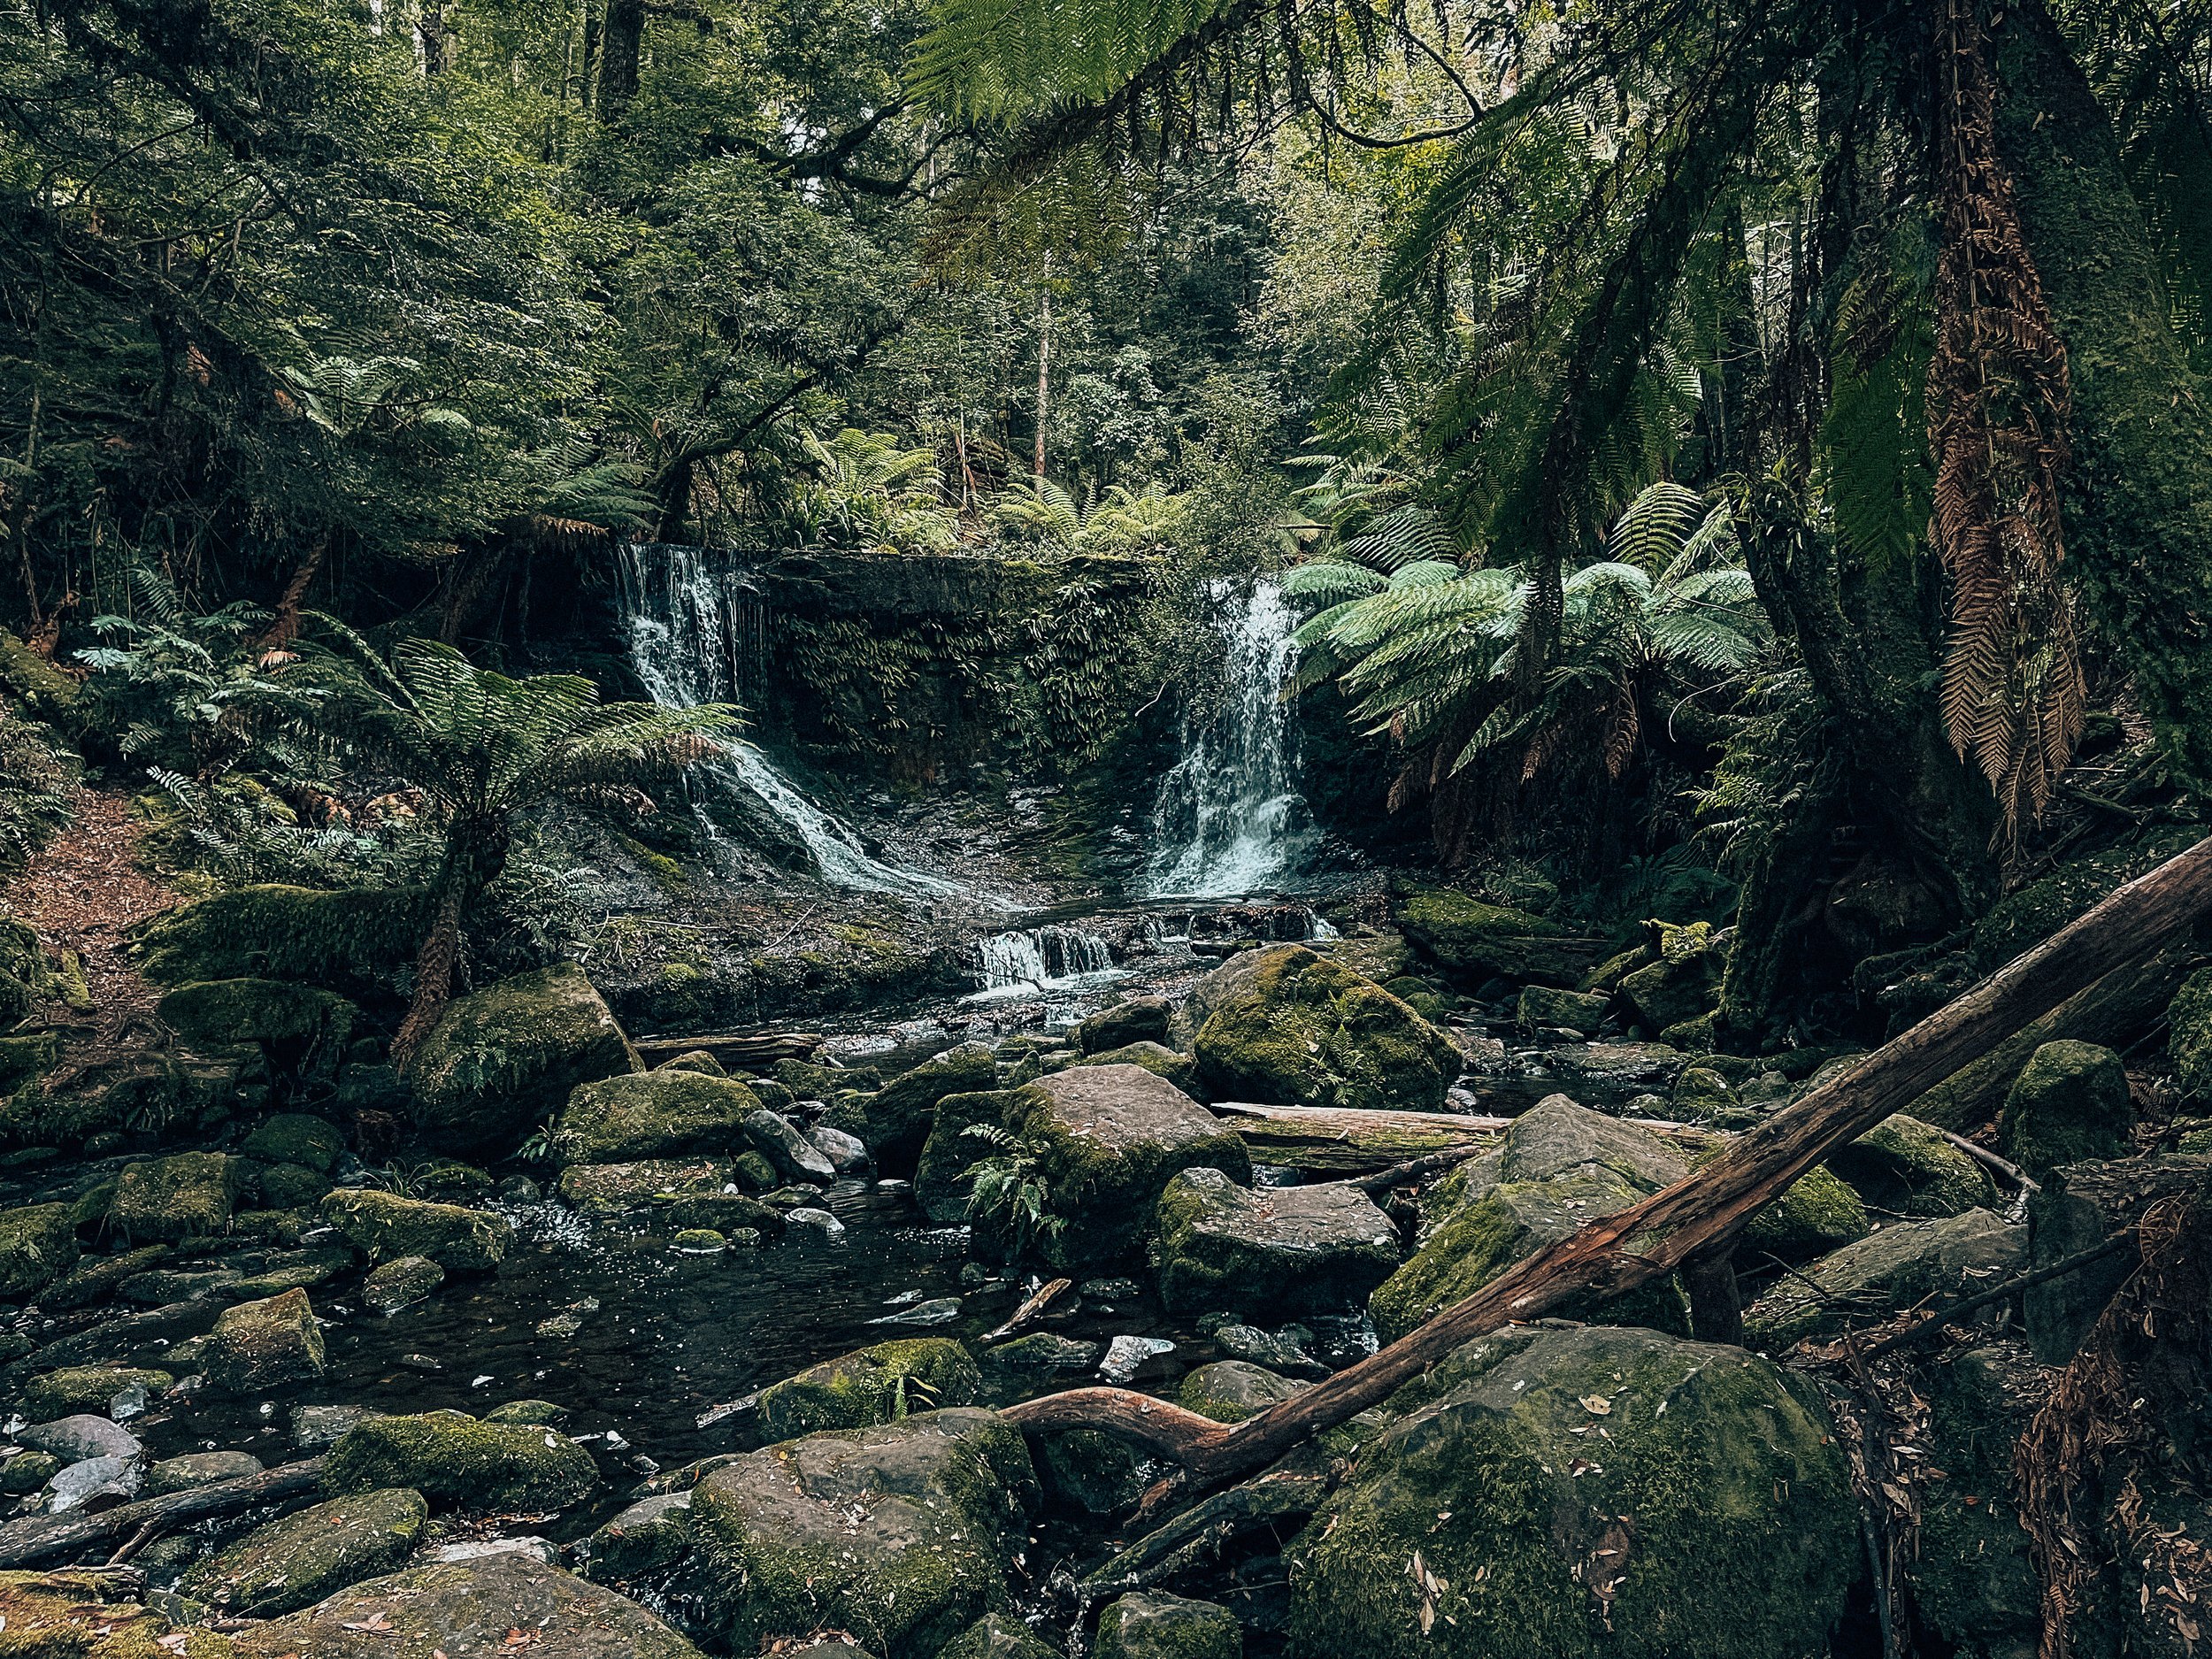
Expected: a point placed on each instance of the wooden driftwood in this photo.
(761, 1048)
(1346, 1140)
(42, 1537)
(1693, 1218)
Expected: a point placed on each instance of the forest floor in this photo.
(84, 892)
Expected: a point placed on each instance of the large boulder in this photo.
(1683, 983)
(894, 1122)
(1108, 1138)
(1151, 1625)
(187, 1196)
(875, 1385)
(1906, 1167)
(294, 1024)
(37, 1244)
(1272, 1251)
(2081, 1206)
(900, 1534)
(295, 1138)
(506, 1603)
(940, 1174)
(497, 1060)
(257, 1344)
(1894, 1267)
(1474, 941)
(2070, 1104)
(1285, 1025)
(384, 1226)
(1137, 1019)
(1178, 1068)
(453, 1459)
(1711, 1516)
(1973, 1583)
(645, 1115)
(295, 1562)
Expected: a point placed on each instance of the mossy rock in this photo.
(2189, 1035)
(941, 1183)
(1816, 1213)
(83, 1614)
(544, 1412)
(698, 1060)
(1286, 1025)
(2024, 919)
(1231, 1390)
(653, 1115)
(1894, 1267)
(643, 1541)
(1543, 1005)
(1473, 942)
(1269, 1252)
(187, 1196)
(826, 1082)
(295, 1562)
(900, 1535)
(1088, 1471)
(290, 1019)
(1973, 1582)
(1178, 1068)
(1723, 1527)
(258, 1345)
(1152, 1625)
(1907, 1167)
(458, 1461)
(297, 1138)
(38, 1244)
(877, 1384)
(85, 1389)
(998, 1636)
(194, 1469)
(282, 1185)
(894, 1121)
(401, 1283)
(24, 1060)
(356, 939)
(2070, 1105)
(731, 1214)
(384, 1226)
(94, 1277)
(1677, 989)
(1132, 1020)
(615, 1188)
(495, 1058)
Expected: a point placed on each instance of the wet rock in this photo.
(541, 1411)
(95, 1483)
(2082, 1205)
(1135, 1019)
(292, 1270)
(1231, 1390)
(314, 1427)
(470, 1608)
(78, 1389)
(86, 1613)
(496, 1058)
(726, 1213)
(1684, 984)
(1287, 1026)
(819, 1222)
(698, 1241)
(75, 1438)
(998, 1636)
(1041, 1354)
(1178, 1068)
(1110, 1138)
(295, 1562)
(653, 1115)
(1126, 1356)
(792, 1153)
(198, 1469)
(1496, 1521)
(1266, 1348)
(620, 1187)
(1279, 1250)
(1087, 1472)
(808, 1081)
(894, 1121)
(1152, 1625)
(847, 1153)
(259, 1345)
(645, 1540)
(937, 1310)
(874, 1384)
(22, 1470)
(95, 1277)
(1541, 1006)
(401, 1283)
(187, 1196)
(297, 1139)
(1892, 1268)
(1476, 942)
(1906, 1167)
(456, 1460)
(37, 1244)
(2070, 1105)
(283, 1185)
(1816, 1214)
(697, 1060)
(122, 1336)
(900, 1535)
(1621, 1067)
(384, 1226)
(940, 1176)
(165, 1285)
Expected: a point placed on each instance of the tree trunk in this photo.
(1044, 365)
(435, 964)
(2137, 499)
(620, 44)
(1695, 1218)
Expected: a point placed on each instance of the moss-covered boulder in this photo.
(1907, 1167)
(1286, 1025)
(281, 1186)
(1109, 1138)
(384, 1226)
(998, 1636)
(354, 938)
(401, 1283)
(1178, 1068)
(1269, 1252)
(900, 1534)
(1683, 983)
(506, 1603)
(295, 1562)
(295, 1025)
(620, 1186)
(1231, 1390)
(38, 1244)
(187, 1196)
(497, 1060)
(643, 1541)
(2069, 1104)
(1133, 1019)
(25, 1059)
(80, 1388)
(875, 1385)
(194, 1469)
(940, 1174)
(454, 1460)
(1973, 1583)
(809, 1081)
(310, 1142)
(1712, 1516)
(1153, 1624)
(85, 1613)
(894, 1122)
(1816, 1213)
(2021, 920)
(1544, 1006)
(256, 1345)
(1473, 942)
(698, 1060)
(653, 1115)
(94, 1277)
(1893, 1267)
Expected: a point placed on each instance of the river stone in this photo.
(1135, 1019)
(998, 1636)
(84, 1613)
(1906, 1167)
(1620, 1068)
(1152, 1625)
(256, 1345)
(37, 1244)
(384, 1226)
(1543, 1006)
(295, 1562)
(454, 1459)
(618, 1186)
(1894, 1267)
(498, 1059)
(1109, 1138)
(95, 1276)
(470, 1609)
(1474, 941)
(314, 1427)
(76, 1389)
(95, 1483)
(1276, 1250)
(297, 1138)
(75, 1438)
(874, 1384)
(195, 1470)
(653, 1115)
(1558, 1137)
(699, 1060)
(283, 1185)
(847, 1153)
(1178, 1068)
(1285, 1025)
(900, 1534)
(23, 1471)
(2069, 1104)
(1816, 1213)
(401, 1283)
(792, 1153)
(894, 1120)
(646, 1539)
(1231, 1390)
(1496, 1522)
(187, 1196)
(1678, 989)
(1275, 1350)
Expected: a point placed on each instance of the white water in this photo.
(1025, 962)
(1229, 818)
(692, 630)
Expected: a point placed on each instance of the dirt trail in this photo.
(82, 892)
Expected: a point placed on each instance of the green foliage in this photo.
(41, 774)
(1008, 1194)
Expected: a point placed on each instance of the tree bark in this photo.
(1696, 1216)
(45, 1537)
(621, 43)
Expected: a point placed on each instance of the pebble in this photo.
(806, 1216)
(1126, 1356)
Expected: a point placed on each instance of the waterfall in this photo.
(697, 635)
(1049, 958)
(1229, 818)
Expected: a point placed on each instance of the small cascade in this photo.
(698, 634)
(1229, 818)
(1026, 961)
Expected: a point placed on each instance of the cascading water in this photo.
(1229, 818)
(695, 637)
(1049, 958)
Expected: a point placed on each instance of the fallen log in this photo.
(1348, 1140)
(760, 1049)
(45, 1537)
(1697, 1215)
(1294, 1488)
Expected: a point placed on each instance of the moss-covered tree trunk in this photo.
(2138, 495)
